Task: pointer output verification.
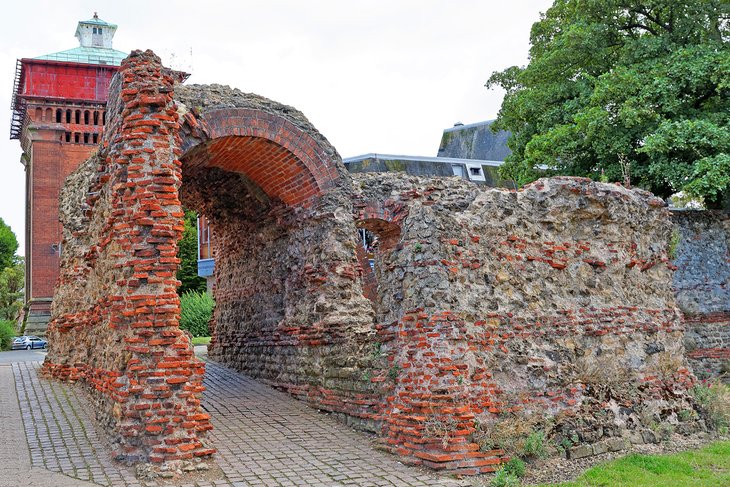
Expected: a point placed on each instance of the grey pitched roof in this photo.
(474, 141)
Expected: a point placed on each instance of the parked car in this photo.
(29, 342)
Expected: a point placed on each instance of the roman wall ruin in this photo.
(701, 248)
(549, 304)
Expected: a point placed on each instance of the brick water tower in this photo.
(58, 105)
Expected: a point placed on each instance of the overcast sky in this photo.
(381, 76)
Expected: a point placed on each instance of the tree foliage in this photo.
(12, 281)
(8, 245)
(626, 90)
(187, 252)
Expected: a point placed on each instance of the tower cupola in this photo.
(95, 33)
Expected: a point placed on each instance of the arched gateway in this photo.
(290, 308)
(494, 308)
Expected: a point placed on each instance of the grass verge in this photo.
(706, 467)
(201, 340)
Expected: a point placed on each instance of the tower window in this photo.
(94, 30)
(76, 137)
(86, 138)
(68, 116)
(68, 136)
(86, 117)
(78, 116)
(59, 115)
(95, 138)
(96, 118)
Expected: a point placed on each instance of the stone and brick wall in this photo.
(554, 301)
(290, 306)
(551, 306)
(115, 312)
(702, 284)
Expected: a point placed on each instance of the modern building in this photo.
(58, 104)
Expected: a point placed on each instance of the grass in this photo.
(709, 466)
(201, 340)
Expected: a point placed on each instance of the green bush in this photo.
(7, 333)
(503, 478)
(535, 445)
(196, 310)
(714, 402)
(515, 466)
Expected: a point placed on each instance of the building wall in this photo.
(67, 81)
(64, 119)
(51, 161)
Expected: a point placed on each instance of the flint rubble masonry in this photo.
(487, 303)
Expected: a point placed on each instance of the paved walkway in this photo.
(17, 469)
(264, 437)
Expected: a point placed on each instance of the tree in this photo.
(187, 252)
(12, 281)
(8, 245)
(629, 90)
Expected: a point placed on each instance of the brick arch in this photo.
(385, 219)
(284, 160)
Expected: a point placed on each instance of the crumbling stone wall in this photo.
(115, 313)
(702, 283)
(290, 307)
(553, 301)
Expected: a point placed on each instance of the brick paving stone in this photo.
(264, 438)
(269, 435)
(60, 434)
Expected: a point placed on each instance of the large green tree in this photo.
(627, 90)
(8, 245)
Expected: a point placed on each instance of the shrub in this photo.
(196, 311)
(535, 445)
(508, 434)
(515, 467)
(714, 402)
(503, 478)
(7, 333)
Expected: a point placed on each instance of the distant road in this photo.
(22, 356)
